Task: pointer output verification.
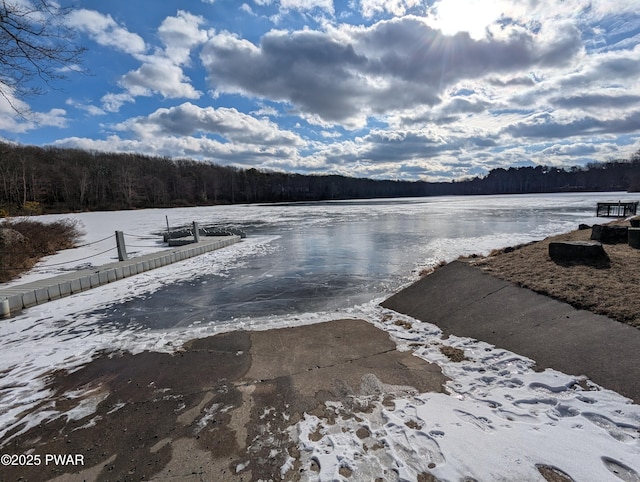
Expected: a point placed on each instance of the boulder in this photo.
(609, 234)
(581, 251)
(9, 237)
(582, 227)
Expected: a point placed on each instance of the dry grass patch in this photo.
(37, 240)
(404, 324)
(613, 291)
(452, 353)
(428, 271)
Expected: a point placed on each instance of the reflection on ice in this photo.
(332, 255)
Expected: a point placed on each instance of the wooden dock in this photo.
(617, 210)
(19, 297)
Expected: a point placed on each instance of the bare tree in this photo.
(36, 47)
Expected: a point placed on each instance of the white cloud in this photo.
(9, 123)
(347, 74)
(53, 118)
(245, 7)
(266, 111)
(189, 120)
(479, 17)
(162, 72)
(223, 135)
(112, 102)
(370, 8)
(160, 76)
(12, 122)
(90, 109)
(471, 16)
(105, 31)
(245, 155)
(181, 34)
(307, 5)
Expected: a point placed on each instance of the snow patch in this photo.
(499, 420)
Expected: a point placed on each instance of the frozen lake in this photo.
(327, 256)
(299, 260)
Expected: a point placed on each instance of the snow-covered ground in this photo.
(499, 419)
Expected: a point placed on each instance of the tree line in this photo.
(49, 179)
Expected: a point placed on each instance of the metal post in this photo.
(122, 249)
(196, 232)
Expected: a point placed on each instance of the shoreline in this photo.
(612, 290)
(463, 300)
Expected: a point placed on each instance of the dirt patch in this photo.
(452, 353)
(404, 324)
(612, 290)
(553, 474)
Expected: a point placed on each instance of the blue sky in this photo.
(393, 89)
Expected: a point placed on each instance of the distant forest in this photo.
(36, 180)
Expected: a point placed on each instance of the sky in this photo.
(386, 89)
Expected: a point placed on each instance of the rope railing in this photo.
(93, 242)
(34, 252)
(65, 262)
(144, 246)
(120, 247)
(80, 259)
(140, 237)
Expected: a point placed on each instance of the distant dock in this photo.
(617, 210)
(24, 296)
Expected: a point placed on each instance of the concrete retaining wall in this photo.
(27, 295)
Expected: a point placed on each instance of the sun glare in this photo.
(472, 16)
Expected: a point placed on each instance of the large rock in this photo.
(609, 234)
(10, 237)
(580, 251)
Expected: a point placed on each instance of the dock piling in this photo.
(122, 249)
(196, 232)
